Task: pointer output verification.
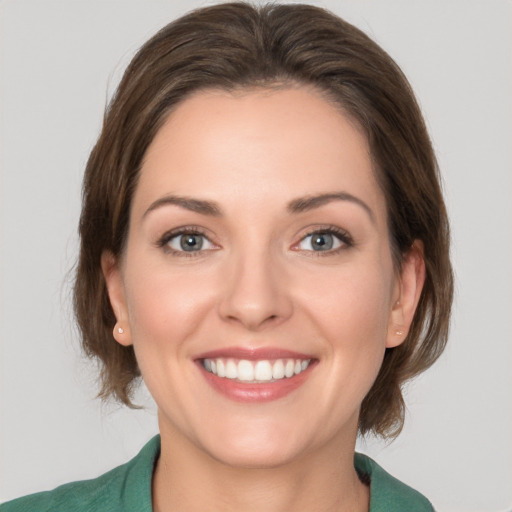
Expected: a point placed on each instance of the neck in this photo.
(189, 480)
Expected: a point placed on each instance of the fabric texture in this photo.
(127, 488)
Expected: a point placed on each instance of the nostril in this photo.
(254, 296)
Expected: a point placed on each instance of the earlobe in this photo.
(410, 286)
(116, 293)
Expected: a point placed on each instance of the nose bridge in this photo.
(255, 292)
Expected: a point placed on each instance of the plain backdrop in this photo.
(61, 60)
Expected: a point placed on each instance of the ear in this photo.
(409, 287)
(115, 287)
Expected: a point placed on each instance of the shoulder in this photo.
(387, 494)
(126, 488)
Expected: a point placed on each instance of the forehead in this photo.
(259, 143)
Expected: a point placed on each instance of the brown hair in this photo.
(236, 45)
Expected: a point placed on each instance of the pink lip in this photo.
(250, 392)
(252, 354)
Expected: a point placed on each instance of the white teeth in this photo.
(255, 371)
(231, 369)
(278, 369)
(221, 368)
(263, 371)
(245, 370)
(289, 368)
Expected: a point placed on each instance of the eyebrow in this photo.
(304, 204)
(188, 203)
(299, 205)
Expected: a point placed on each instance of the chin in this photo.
(255, 455)
(257, 444)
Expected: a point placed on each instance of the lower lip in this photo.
(251, 392)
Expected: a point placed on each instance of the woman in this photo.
(264, 241)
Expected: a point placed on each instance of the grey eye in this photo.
(320, 241)
(189, 242)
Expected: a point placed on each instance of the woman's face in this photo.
(257, 285)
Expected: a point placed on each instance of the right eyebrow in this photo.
(188, 203)
(304, 204)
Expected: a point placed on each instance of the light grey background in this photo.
(59, 60)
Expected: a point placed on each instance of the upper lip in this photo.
(253, 354)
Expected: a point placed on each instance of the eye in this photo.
(324, 241)
(186, 242)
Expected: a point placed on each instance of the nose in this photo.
(255, 292)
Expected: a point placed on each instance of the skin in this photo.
(259, 282)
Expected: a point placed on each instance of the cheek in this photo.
(165, 306)
(357, 331)
(166, 312)
(351, 304)
(351, 310)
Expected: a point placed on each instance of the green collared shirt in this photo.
(127, 488)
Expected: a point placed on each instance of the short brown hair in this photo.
(237, 45)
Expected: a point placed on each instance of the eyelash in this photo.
(186, 230)
(343, 236)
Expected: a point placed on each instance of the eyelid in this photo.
(163, 241)
(342, 235)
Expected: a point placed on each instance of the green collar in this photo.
(387, 494)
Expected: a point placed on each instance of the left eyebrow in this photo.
(304, 204)
(188, 203)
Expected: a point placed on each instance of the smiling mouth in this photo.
(260, 371)
(255, 375)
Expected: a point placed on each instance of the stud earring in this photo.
(399, 333)
(120, 330)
